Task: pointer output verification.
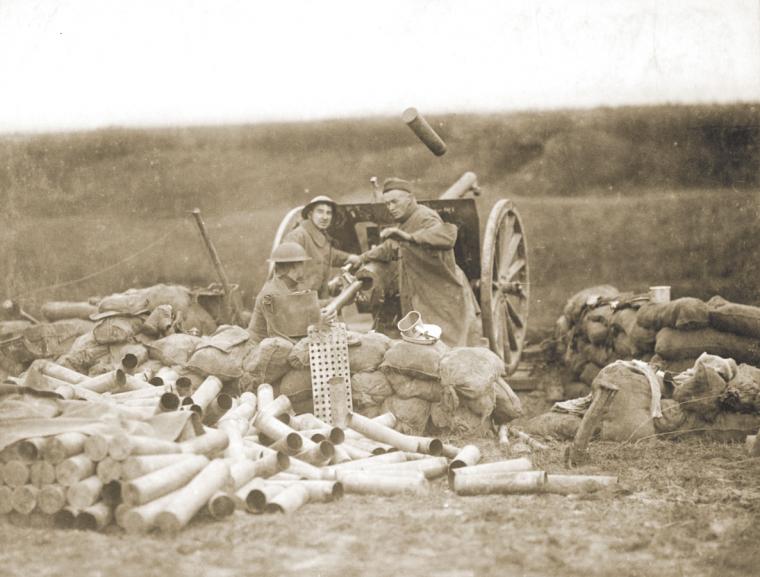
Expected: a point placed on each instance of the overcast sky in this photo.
(88, 63)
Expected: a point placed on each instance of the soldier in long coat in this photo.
(312, 234)
(430, 281)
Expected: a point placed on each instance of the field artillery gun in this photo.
(496, 265)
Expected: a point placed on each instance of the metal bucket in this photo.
(659, 294)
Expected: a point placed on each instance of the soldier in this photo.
(312, 235)
(430, 281)
(289, 259)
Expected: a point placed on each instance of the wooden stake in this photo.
(577, 453)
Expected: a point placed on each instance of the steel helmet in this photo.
(289, 252)
(321, 199)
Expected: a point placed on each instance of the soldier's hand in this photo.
(354, 260)
(328, 316)
(395, 231)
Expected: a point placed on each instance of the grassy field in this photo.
(681, 508)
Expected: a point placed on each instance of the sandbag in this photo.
(413, 359)
(589, 373)
(624, 347)
(598, 355)
(674, 344)
(560, 426)
(118, 351)
(130, 302)
(371, 411)
(742, 393)
(686, 314)
(578, 302)
(483, 405)
(177, 296)
(576, 389)
(174, 349)
(600, 314)
(595, 331)
(159, 321)
(628, 416)
(268, 361)
(462, 421)
(575, 361)
(296, 385)
(305, 406)
(673, 417)
(368, 355)
(734, 318)
(642, 338)
(700, 390)
(222, 353)
(298, 358)
(84, 353)
(51, 339)
(725, 427)
(411, 414)
(507, 405)
(674, 366)
(196, 318)
(117, 328)
(471, 370)
(624, 320)
(369, 389)
(224, 365)
(407, 387)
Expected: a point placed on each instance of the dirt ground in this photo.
(681, 508)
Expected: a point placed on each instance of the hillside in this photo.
(167, 171)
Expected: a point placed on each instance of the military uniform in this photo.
(430, 281)
(323, 255)
(260, 326)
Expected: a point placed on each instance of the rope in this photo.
(101, 271)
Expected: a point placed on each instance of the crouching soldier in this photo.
(288, 279)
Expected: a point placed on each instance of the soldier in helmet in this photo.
(312, 235)
(289, 261)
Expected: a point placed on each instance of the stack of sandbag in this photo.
(24, 342)
(130, 321)
(598, 326)
(715, 399)
(717, 327)
(427, 387)
(446, 390)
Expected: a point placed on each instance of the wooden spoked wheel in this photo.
(504, 286)
(287, 224)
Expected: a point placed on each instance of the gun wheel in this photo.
(504, 285)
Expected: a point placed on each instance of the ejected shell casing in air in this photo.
(424, 131)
